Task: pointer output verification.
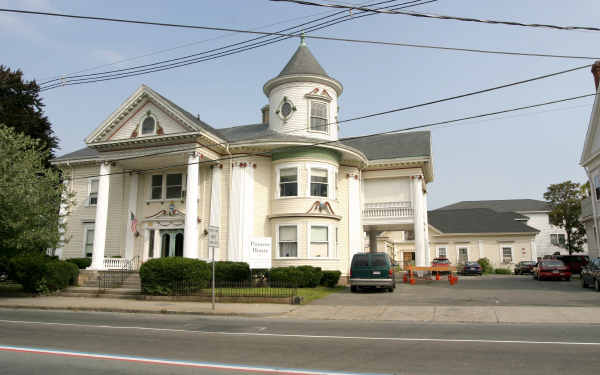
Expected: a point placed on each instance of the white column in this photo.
(355, 230)
(62, 218)
(480, 246)
(215, 201)
(158, 243)
(419, 222)
(426, 228)
(190, 236)
(241, 210)
(533, 251)
(133, 192)
(101, 218)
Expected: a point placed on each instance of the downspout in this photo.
(594, 207)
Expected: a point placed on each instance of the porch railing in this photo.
(122, 263)
(388, 209)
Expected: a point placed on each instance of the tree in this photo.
(30, 196)
(22, 109)
(565, 205)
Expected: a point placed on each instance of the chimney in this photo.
(596, 73)
(265, 111)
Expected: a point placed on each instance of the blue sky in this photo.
(512, 156)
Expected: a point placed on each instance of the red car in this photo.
(552, 269)
(574, 262)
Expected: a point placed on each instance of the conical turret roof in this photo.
(303, 62)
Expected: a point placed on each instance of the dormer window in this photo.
(148, 126)
(318, 116)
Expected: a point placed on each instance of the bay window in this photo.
(288, 182)
(288, 241)
(318, 182)
(319, 241)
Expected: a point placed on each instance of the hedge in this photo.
(330, 278)
(486, 267)
(42, 274)
(82, 263)
(162, 275)
(231, 271)
(502, 271)
(301, 276)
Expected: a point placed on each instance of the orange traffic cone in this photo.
(437, 276)
(412, 281)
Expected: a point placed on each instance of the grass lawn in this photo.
(311, 294)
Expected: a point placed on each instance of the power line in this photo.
(395, 131)
(442, 17)
(220, 37)
(184, 61)
(467, 94)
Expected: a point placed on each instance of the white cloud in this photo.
(107, 56)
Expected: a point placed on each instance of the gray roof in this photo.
(586, 207)
(506, 205)
(190, 116)
(255, 132)
(81, 154)
(392, 146)
(477, 220)
(303, 62)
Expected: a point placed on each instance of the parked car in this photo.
(525, 267)
(372, 270)
(469, 268)
(590, 274)
(574, 262)
(552, 269)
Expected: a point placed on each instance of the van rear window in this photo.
(378, 260)
(360, 261)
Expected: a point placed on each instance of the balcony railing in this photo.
(388, 209)
(121, 263)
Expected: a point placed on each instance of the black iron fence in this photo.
(244, 288)
(111, 278)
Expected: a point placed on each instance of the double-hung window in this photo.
(174, 186)
(319, 241)
(93, 192)
(318, 116)
(557, 239)
(318, 182)
(463, 255)
(597, 186)
(442, 252)
(288, 182)
(288, 241)
(506, 255)
(157, 185)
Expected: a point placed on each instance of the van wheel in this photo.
(354, 289)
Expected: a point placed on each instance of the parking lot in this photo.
(489, 290)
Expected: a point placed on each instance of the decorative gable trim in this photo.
(133, 105)
(319, 94)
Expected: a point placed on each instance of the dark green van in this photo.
(372, 270)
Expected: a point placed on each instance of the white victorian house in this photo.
(153, 177)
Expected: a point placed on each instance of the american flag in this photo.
(133, 222)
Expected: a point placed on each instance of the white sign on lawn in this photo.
(258, 253)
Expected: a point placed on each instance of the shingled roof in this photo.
(476, 220)
(392, 146)
(303, 62)
(505, 205)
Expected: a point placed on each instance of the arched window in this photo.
(148, 126)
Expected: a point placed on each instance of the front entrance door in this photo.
(171, 243)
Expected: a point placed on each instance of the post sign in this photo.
(258, 253)
(213, 236)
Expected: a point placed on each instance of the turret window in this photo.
(318, 116)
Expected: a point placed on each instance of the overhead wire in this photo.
(404, 108)
(188, 60)
(442, 17)
(321, 143)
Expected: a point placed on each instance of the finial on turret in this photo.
(302, 41)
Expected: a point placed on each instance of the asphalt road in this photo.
(493, 290)
(56, 342)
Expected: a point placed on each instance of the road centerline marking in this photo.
(304, 336)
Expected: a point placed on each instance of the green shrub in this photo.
(81, 263)
(330, 278)
(161, 276)
(231, 271)
(301, 276)
(486, 267)
(4, 265)
(42, 274)
(502, 271)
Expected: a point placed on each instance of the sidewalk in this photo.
(434, 314)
